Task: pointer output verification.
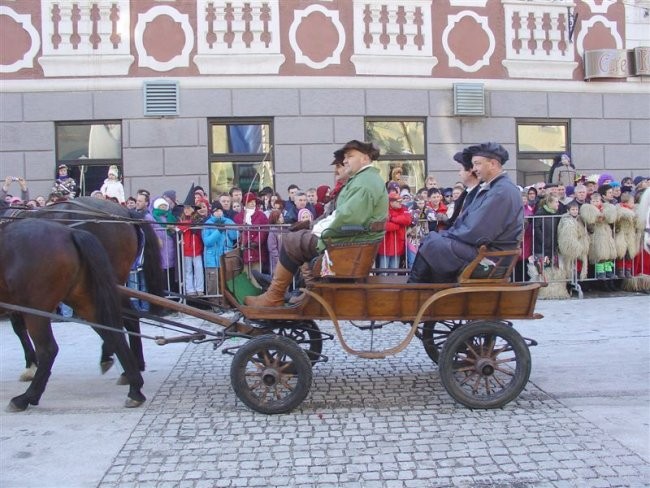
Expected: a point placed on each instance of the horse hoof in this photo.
(131, 403)
(104, 366)
(16, 407)
(122, 380)
(28, 374)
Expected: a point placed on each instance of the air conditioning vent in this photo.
(160, 98)
(469, 99)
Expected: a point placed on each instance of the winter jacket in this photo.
(394, 243)
(253, 243)
(192, 242)
(545, 233)
(217, 241)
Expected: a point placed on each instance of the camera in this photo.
(15, 178)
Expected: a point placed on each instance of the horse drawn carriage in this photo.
(464, 327)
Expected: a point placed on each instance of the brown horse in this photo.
(43, 263)
(122, 236)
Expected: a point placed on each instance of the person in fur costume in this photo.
(573, 242)
(545, 250)
(112, 187)
(640, 280)
(599, 218)
(625, 236)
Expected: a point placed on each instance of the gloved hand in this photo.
(304, 224)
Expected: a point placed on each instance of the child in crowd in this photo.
(112, 187)
(599, 217)
(217, 240)
(393, 247)
(419, 227)
(192, 249)
(438, 218)
(573, 242)
(625, 236)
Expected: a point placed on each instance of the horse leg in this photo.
(106, 361)
(40, 331)
(132, 324)
(18, 324)
(118, 343)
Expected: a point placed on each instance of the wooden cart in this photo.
(483, 361)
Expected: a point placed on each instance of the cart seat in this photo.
(350, 261)
(491, 266)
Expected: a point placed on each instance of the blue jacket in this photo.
(217, 241)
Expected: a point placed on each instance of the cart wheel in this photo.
(271, 374)
(484, 364)
(308, 337)
(434, 335)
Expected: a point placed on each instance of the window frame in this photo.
(76, 165)
(540, 155)
(388, 158)
(239, 158)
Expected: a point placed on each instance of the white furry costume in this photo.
(601, 241)
(626, 237)
(573, 244)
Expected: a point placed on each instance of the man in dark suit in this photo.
(495, 215)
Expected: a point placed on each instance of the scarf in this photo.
(549, 209)
(169, 218)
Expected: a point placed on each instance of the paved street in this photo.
(583, 420)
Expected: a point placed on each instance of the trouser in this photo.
(440, 259)
(193, 267)
(297, 248)
(137, 282)
(211, 281)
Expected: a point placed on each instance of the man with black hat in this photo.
(363, 201)
(494, 217)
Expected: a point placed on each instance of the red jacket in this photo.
(192, 242)
(253, 243)
(394, 243)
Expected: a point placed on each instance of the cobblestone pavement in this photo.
(386, 423)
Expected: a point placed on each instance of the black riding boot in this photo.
(420, 271)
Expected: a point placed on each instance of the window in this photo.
(401, 144)
(240, 155)
(89, 148)
(538, 142)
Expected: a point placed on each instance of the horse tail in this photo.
(153, 272)
(100, 278)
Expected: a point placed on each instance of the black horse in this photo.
(43, 263)
(123, 237)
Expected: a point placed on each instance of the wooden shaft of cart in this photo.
(186, 309)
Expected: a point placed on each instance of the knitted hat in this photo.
(247, 197)
(302, 213)
(159, 202)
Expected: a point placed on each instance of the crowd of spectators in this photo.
(588, 226)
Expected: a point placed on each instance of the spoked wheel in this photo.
(307, 335)
(484, 364)
(271, 374)
(434, 335)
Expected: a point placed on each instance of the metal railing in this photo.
(532, 266)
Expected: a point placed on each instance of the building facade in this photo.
(261, 92)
